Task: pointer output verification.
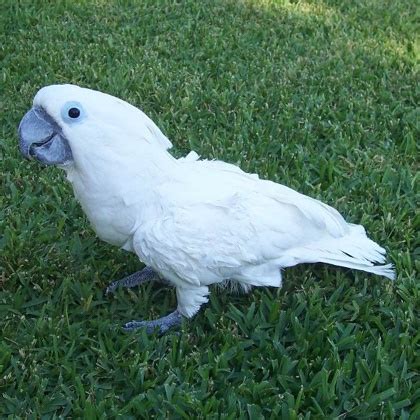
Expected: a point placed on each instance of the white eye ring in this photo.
(72, 112)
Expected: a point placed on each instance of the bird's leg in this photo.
(147, 274)
(189, 299)
(162, 325)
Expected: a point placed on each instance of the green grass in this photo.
(318, 95)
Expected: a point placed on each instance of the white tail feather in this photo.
(386, 270)
(354, 250)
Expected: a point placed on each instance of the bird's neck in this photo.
(139, 168)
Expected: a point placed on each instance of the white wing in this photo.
(225, 223)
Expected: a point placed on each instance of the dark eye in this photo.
(74, 112)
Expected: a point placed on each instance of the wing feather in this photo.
(224, 222)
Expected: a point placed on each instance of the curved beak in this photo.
(41, 138)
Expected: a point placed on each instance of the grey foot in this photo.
(147, 274)
(162, 325)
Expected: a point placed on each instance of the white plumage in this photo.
(196, 222)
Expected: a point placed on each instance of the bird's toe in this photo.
(161, 325)
(149, 326)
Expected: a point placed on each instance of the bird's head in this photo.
(67, 121)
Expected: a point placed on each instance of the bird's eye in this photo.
(74, 112)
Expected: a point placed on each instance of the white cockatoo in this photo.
(193, 223)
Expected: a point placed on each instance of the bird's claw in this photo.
(111, 288)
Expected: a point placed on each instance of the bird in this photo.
(193, 222)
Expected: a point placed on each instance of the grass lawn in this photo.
(319, 95)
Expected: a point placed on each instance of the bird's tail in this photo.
(354, 250)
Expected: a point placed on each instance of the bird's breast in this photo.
(112, 221)
(112, 216)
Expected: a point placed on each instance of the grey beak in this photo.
(41, 138)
